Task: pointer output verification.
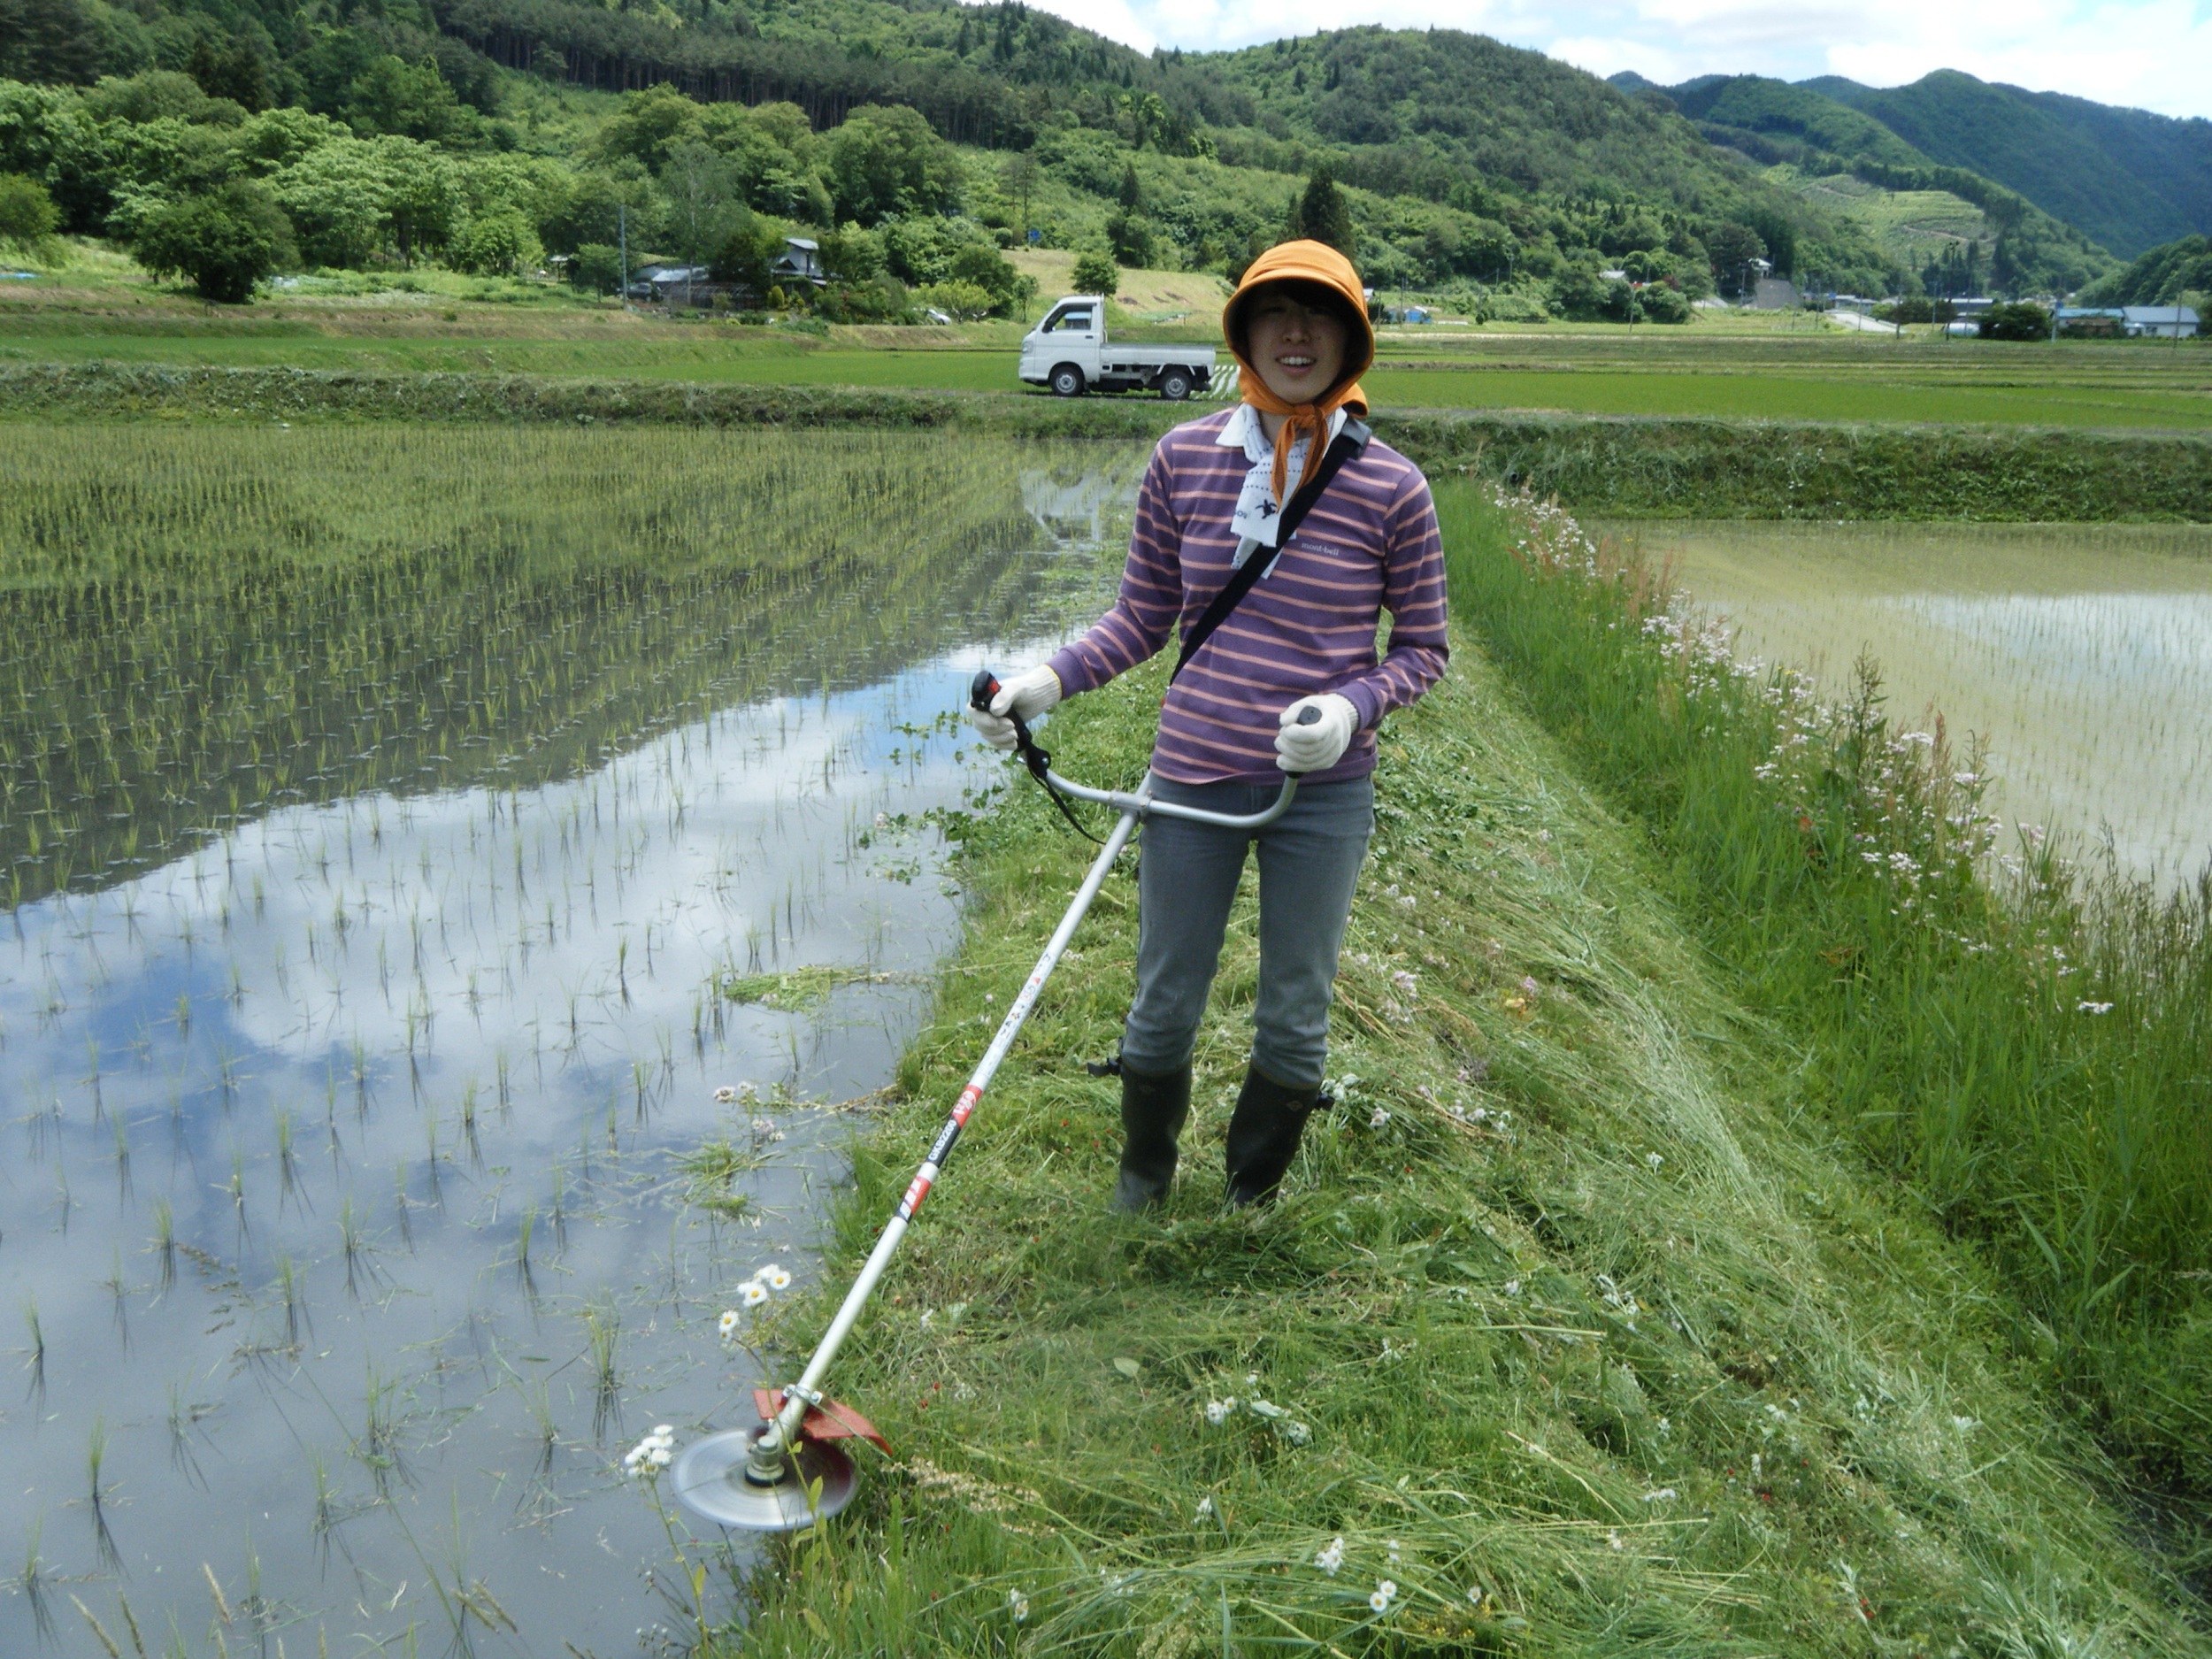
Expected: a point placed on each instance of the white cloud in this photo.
(2153, 55)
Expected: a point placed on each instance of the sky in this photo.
(2148, 54)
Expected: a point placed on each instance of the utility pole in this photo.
(622, 234)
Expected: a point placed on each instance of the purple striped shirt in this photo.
(1369, 544)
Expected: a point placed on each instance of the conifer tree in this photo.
(1323, 216)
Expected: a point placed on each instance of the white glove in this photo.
(1319, 745)
(1027, 694)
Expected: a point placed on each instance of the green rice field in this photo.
(381, 809)
(1817, 375)
(2078, 659)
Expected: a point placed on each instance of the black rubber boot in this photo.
(1263, 1136)
(1152, 1113)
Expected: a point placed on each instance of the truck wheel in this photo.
(1175, 385)
(1067, 380)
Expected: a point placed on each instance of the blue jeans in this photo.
(1188, 876)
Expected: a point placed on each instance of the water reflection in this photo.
(339, 1174)
(1074, 513)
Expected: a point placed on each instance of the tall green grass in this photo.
(2024, 1042)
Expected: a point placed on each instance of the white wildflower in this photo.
(1205, 1509)
(1217, 1411)
(1384, 1591)
(1378, 1118)
(725, 1094)
(775, 1277)
(752, 1292)
(650, 1454)
(1018, 1604)
(1662, 1494)
(728, 1324)
(2092, 1008)
(1329, 1556)
(1654, 1160)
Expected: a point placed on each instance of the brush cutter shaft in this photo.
(766, 1461)
(782, 1433)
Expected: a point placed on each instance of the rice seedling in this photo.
(237, 1187)
(118, 1291)
(377, 1446)
(352, 1245)
(526, 1223)
(96, 1463)
(35, 1360)
(288, 1162)
(122, 1155)
(291, 1292)
(602, 1339)
(31, 1583)
(165, 1243)
(182, 1415)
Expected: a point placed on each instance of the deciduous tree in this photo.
(225, 242)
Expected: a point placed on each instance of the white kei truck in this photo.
(1069, 352)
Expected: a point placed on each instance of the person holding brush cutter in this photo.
(1271, 538)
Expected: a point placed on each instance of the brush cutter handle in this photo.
(984, 686)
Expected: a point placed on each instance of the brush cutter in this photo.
(787, 1471)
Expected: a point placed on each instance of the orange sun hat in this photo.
(1316, 264)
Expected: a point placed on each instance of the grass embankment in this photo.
(1624, 467)
(1582, 1333)
(2032, 1058)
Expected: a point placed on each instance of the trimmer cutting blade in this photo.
(710, 1480)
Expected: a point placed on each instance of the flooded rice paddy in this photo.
(2080, 655)
(386, 812)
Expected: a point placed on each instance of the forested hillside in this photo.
(1957, 231)
(2129, 178)
(1465, 162)
(2178, 273)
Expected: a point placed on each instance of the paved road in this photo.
(1864, 325)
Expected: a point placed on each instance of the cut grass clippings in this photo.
(802, 990)
(1570, 1327)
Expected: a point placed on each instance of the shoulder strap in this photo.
(1350, 443)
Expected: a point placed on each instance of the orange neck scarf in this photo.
(1310, 419)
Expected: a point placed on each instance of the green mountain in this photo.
(2177, 273)
(1959, 230)
(1465, 160)
(2129, 178)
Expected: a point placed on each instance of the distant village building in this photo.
(2091, 322)
(2159, 322)
(801, 261)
